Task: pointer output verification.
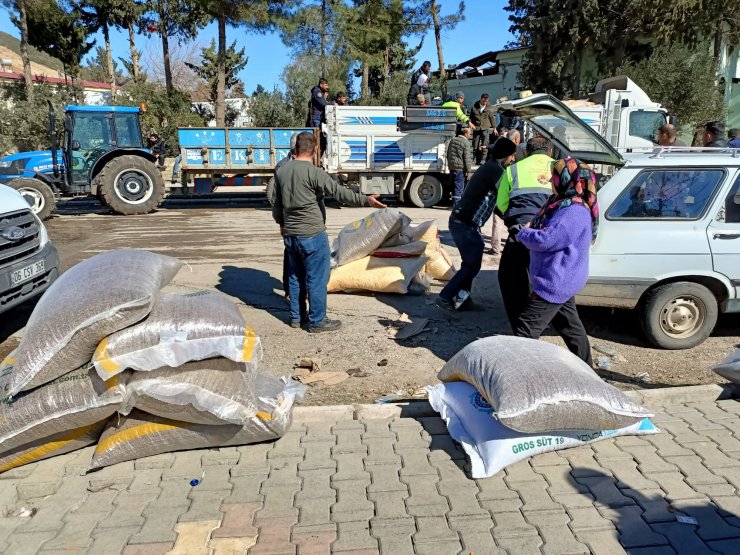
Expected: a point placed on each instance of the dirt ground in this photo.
(234, 247)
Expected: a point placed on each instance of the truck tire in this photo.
(425, 191)
(270, 189)
(38, 195)
(130, 185)
(679, 315)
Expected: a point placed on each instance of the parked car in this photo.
(29, 263)
(669, 230)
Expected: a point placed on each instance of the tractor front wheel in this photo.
(38, 195)
(130, 185)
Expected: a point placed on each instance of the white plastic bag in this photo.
(535, 386)
(729, 368)
(88, 302)
(492, 446)
(179, 329)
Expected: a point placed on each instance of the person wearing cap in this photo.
(460, 161)
(714, 131)
(420, 86)
(474, 209)
(456, 102)
(734, 138)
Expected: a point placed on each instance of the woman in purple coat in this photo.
(558, 240)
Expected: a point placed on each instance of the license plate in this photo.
(26, 273)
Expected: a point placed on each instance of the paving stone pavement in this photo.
(393, 486)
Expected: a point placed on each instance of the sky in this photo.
(485, 28)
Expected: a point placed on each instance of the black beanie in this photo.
(501, 148)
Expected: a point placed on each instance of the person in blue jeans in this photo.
(300, 188)
(475, 207)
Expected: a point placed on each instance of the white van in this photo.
(669, 229)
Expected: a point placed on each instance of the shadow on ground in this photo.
(255, 288)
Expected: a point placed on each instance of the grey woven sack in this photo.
(729, 368)
(88, 302)
(359, 239)
(75, 400)
(535, 386)
(214, 391)
(179, 329)
(57, 444)
(142, 435)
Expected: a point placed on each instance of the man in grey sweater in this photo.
(299, 191)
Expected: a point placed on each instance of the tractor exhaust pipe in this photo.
(53, 138)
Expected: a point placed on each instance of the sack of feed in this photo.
(75, 400)
(180, 328)
(730, 367)
(376, 274)
(401, 251)
(57, 444)
(141, 435)
(88, 302)
(358, 239)
(535, 386)
(492, 446)
(213, 391)
(439, 265)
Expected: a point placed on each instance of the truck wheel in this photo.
(679, 315)
(270, 189)
(38, 195)
(425, 191)
(131, 185)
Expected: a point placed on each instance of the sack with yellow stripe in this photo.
(213, 391)
(142, 435)
(180, 328)
(75, 400)
(57, 444)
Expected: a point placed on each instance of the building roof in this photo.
(11, 75)
(483, 64)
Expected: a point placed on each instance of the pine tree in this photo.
(208, 68)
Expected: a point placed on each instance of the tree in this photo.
(271, 109)
(181, 76)
(255, 15)
(128, 17)
(442, 23)
(18, 10)
(693, 101)
(208, 68)
(314, 27)
(97, 68)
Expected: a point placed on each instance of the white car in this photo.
(668, 242)
(29, 263)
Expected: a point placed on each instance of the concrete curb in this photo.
(420, 409)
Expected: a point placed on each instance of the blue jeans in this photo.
(308, 276)
(176, 166)
(458, 182)
(470, 244)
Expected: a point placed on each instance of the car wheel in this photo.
(38, 195)
(425, 191)
(679, 315)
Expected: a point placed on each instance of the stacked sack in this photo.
(386, 253)
(508, 398)
(150, 352)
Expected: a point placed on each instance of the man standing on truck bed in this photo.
(484, 120)
(317, 104)
(420, 85)
(456, 102)
(299, 189)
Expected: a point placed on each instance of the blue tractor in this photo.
(102, 155)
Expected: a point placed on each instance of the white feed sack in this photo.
(75, 400)
(730, 367)
(492, 446)
(142, 435)
(359, 239)
(535, 386)
(180, 328)
(213, 391)
(88, 302)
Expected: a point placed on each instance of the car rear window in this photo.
(667, 194)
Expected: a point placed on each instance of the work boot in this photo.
(462, 299)
(325, 325)
(444, 304)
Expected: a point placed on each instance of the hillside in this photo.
(41, 62)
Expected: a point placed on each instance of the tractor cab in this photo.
(102, 154)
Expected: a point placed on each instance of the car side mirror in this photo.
(75, 145)
(673, 120)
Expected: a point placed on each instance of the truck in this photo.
(102, 154)
(392, 151)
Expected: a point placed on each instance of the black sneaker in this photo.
(325, 325)
(444, 304)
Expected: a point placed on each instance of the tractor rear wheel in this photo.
(38, 195)
(130, 185)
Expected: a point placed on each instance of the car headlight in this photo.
(43, 234)
(5, 164)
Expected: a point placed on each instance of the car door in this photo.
(724, 236)
(555, 121)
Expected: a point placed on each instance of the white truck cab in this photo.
(669, 228)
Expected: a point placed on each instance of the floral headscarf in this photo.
(574, 182)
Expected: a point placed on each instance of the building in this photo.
(237, 111)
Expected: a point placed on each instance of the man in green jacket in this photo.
(299, 191)
(456, 102)
(460, 161)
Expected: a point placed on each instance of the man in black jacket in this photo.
(484, 120)
(714, 133)
(318, 103)
(472, 211)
